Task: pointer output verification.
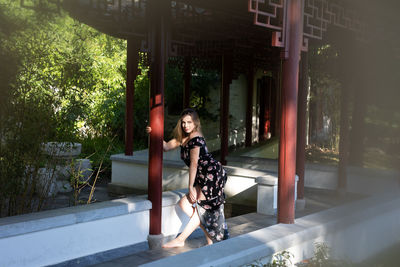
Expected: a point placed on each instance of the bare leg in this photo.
(186, 206)
(193, 223)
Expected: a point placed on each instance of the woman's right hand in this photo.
(148, 129)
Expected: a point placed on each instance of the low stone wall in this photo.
(355, 231)
(359, 180)
(130, 172)
(56, 236)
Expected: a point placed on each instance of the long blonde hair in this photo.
(178, 133)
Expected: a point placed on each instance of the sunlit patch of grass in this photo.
(317, 154)
(373, 157)
(268, 149)
(377, 158)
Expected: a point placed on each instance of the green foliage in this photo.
(99, 151)
(325, 91)
(373, 109)
(141, 109)
(26, 113)
(201, 84)
(281, 259)
(202, 81)
(322, 258)
(60, 80)
(76, 67)
(78, 180)
(174, 90)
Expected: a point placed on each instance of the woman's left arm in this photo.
(194, 158)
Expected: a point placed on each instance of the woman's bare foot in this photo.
(176, 243)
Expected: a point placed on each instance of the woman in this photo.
(204, 203)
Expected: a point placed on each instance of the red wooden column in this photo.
(301, 126)
(187, 77)
(249, 105)
(227, 63)
(287, 142)
(157, 45)
(131, 70)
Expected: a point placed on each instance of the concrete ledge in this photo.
(142, 158)
(60, 236)
(354, 231)
(40, 221)
(267, 180)
(241, 172)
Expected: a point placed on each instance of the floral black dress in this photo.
(211, 177)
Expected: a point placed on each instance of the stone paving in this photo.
(316, 200)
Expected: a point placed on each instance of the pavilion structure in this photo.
(235, 37)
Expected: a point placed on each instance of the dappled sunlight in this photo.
(317, 154)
